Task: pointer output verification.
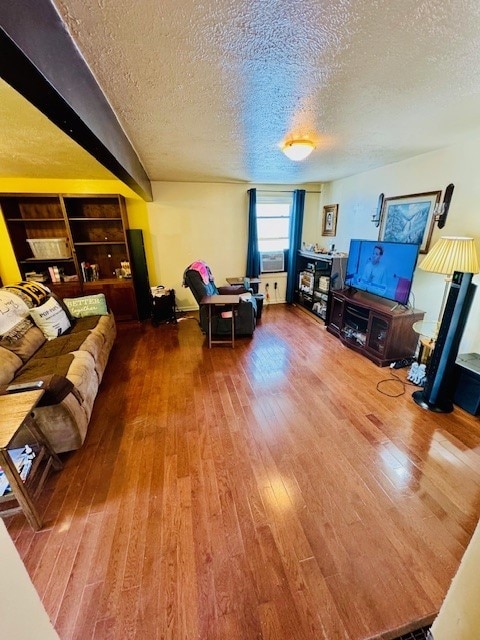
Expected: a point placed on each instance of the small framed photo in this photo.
(329, 222)
(409, 218)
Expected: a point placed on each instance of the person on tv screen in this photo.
(374, 272)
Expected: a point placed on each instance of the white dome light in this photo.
(298, 149)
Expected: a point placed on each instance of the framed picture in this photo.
(409, 218)
(329, 222)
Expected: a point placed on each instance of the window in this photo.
(273, 223)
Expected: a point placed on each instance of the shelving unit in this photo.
(317, 276)
(371, 327)
(96, 227)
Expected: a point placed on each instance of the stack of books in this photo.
(36, 277)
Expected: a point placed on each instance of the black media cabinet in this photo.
(318, 274)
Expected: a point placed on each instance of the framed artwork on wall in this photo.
(409, 218)
(329, 221)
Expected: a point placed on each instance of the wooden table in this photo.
(254, 282)
(218, 300)
(16, 415)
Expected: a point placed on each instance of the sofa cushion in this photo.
(78, 341)
(83, 375)
(36, 368)
(24, 339)
(85, 324)
(86, 306)
(62, 344)
(10, 363)
(51, 319)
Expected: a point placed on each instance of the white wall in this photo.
(209, 221)
(459, 615)
(22, 616)
(357, 198)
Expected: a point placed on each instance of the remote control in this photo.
(25, 386)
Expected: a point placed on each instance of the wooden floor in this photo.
(264, 492)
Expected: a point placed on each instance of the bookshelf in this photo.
(95, 230)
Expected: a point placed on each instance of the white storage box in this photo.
(50, 247)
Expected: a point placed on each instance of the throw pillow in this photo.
(95, 305)
(12, 310)
(60, 301)
(51, 319)
(32, 293)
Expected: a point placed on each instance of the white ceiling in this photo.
(209, 91)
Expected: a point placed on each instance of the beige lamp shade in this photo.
(451, 254)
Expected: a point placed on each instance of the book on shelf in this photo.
(56, 274)
(90, 271)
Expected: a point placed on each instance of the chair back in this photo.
(194, 281)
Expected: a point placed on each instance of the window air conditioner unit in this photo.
(271, 261)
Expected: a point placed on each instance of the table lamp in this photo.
(451, 254)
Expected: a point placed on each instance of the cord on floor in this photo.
(395, 379)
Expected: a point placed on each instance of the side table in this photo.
(220, 300)
(428, 334)
(16, 416)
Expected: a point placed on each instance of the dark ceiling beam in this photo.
(39, 59)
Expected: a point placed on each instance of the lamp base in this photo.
(438, 407)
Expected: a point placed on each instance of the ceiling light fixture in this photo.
(298, 150)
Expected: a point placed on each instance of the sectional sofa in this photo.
(66, 345)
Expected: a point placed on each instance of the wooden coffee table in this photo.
(15, 416)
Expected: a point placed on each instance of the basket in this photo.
(47, 248)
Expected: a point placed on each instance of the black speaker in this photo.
(140, 273)
(437, 395)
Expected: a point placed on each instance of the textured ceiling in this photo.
(210, 90)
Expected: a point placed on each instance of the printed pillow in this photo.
(95, 305)
(13, 309)
(32, 293)
(51, 319)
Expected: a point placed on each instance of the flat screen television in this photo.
(382, 268)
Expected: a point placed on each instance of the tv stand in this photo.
(372, 328)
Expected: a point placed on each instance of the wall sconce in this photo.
(441, 209)
(377, 215)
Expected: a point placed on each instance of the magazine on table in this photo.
(22, 459)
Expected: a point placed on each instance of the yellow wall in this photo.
(208, 221)
(136, 211)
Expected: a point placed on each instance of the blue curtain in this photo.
(296, 225)
(253, 255)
